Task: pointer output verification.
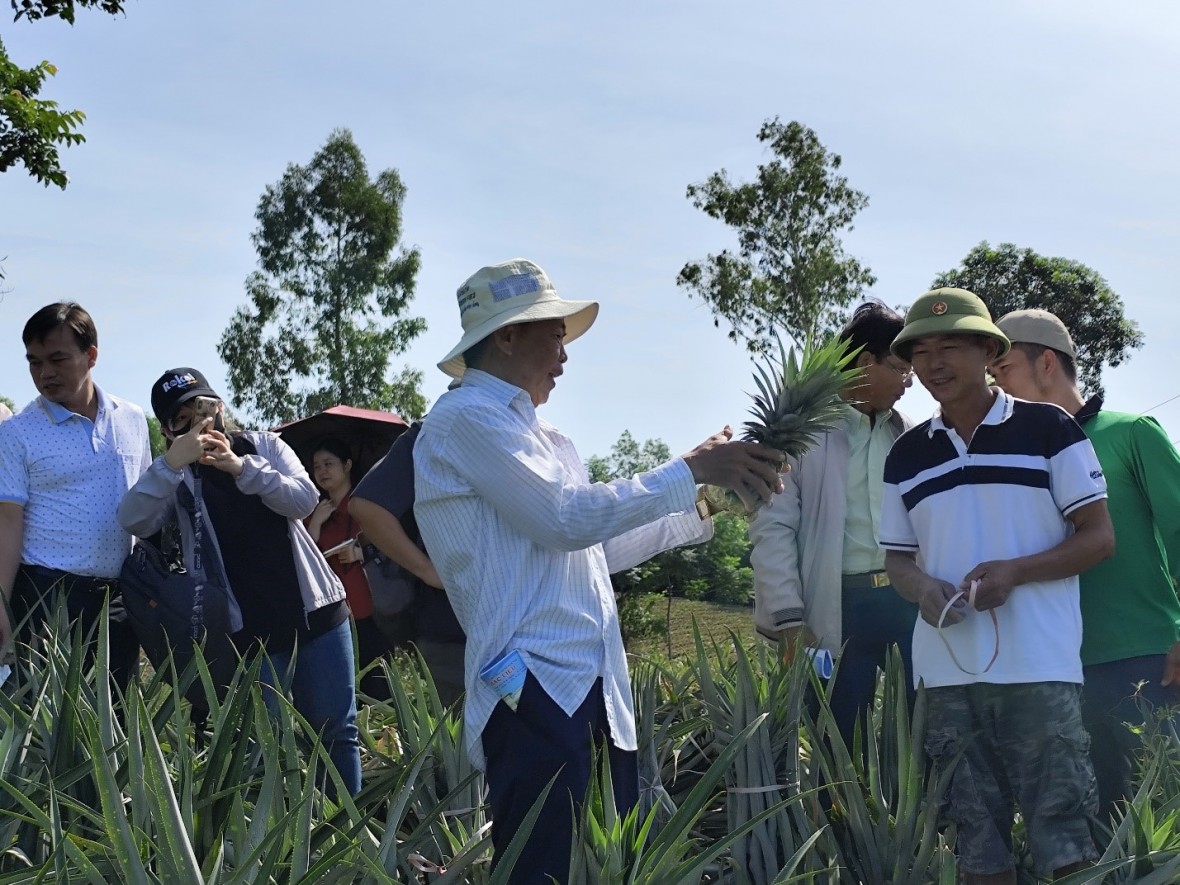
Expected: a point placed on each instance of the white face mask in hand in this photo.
(953, 602)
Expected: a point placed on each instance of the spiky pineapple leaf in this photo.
(797, 401)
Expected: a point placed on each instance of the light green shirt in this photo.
(868, 444)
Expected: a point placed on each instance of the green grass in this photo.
(715, 622)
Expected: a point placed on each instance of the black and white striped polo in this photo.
(1004, 495)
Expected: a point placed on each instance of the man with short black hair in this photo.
(1130, 611)
(525, 545)
(819, 574)
(66, 460)
(1004, 502)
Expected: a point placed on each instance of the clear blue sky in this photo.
(567, 134)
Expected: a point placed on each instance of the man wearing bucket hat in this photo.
(1130, 612)
(1004, 501)
(525, 543)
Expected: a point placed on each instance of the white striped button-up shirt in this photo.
(525, 544)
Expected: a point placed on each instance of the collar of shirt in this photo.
(59, 414)
(856, 419)
(501, 391)
(1000, 411)
(1090, 409)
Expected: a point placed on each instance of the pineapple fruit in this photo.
(798, 401)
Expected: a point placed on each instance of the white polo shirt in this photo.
(1005, 495)
(69, 474)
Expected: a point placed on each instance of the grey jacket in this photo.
(799, 542)
(276, 475)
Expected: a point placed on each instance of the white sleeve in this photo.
(529, 485)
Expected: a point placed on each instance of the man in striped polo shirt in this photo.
(991, 510)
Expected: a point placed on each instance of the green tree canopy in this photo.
(31, 128)
(1008, 278)
(155, 436)
(627, 458)
(790, 271)
(718, 571)
(63, 9)
(326, 308)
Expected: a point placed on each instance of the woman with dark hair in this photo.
(252, 494)
(332, 528)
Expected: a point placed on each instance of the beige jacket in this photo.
(798, 542)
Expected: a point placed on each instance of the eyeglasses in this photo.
(904, 374)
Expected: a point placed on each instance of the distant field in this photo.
(713, 620)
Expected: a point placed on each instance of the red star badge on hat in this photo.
(938, 308)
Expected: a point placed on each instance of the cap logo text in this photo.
(178, 381)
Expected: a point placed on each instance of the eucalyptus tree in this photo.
(790, 271)
(327, 306)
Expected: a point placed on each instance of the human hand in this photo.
(750, 470)
(997, 579)
(933, 595)
(7, 646)
(188, 448)
(320, 515)
(429, 576)
(1172, 666)
(794, 638)
(219, 453)
(350, 554)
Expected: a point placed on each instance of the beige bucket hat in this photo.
(515, 291)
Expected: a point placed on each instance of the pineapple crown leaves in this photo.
(798, 401)
(798, 398)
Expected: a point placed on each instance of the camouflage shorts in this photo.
(1014, 745)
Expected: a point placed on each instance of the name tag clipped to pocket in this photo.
(506, 674)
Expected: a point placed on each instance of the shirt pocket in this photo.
(131, 465)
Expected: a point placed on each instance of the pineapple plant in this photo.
(798, 401)
(99, 788)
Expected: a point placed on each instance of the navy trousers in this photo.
(874, 619)
(35, 596)
(1114, 698)
(526, 748)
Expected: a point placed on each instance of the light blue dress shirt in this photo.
(69, 474)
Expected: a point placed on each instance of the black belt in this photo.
(45, 578)
(866, 581)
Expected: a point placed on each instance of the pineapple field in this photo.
(743, 780)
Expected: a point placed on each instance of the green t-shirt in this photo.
(1129, 604)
